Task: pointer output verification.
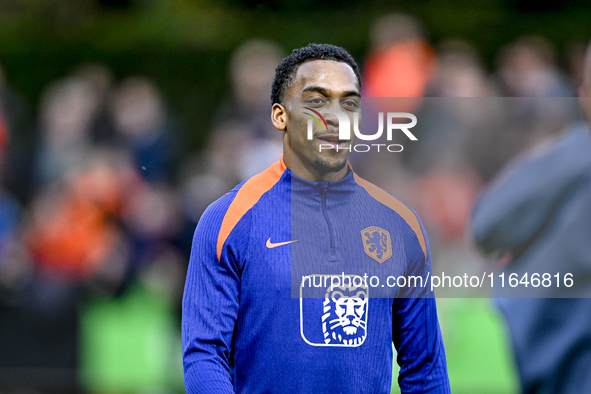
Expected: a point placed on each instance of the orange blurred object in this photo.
(402, 70)
(73, 231)
(73, 239)
(446, 199)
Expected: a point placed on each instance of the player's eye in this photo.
(352, 105)
(315, 101)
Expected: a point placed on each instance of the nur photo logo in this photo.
(345, 130)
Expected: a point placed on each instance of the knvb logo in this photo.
(345, 129)
(377, 243)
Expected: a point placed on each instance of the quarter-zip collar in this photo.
(300, 185)
(325, 199)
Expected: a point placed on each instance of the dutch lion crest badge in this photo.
(377, 243)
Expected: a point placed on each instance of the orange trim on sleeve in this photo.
(248, 195)
(392, 202)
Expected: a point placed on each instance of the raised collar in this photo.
(345, 185)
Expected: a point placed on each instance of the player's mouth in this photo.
(333, 140)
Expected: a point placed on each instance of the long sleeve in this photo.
(415, 327)
(210, 308)
(523, 200)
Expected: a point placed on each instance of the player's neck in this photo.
(309, 172)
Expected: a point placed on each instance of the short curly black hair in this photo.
(286, 71)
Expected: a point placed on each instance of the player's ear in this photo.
(279, 116)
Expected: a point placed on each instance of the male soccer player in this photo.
(309, 213)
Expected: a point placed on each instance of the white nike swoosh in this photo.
(271, 245)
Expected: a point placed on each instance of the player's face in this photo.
(319, 85)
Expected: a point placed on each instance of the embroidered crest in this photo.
(377, 243)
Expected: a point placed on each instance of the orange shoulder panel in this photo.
(392, 202)
(248, 195)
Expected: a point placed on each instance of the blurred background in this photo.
(121, 120)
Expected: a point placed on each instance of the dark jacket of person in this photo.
(539, 213)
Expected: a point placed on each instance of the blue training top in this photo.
(246, 329)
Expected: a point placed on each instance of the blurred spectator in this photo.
(450, 124)
(153, 219)
(255, 143)
(37, 314)
(536, 218)
(10, 217)
(224, 156)
(575, 62)
(397, 69)
(103, 229)
(15, 125)
(400, 61)
(460, 73)
(100, 78)
(251, 71)
(527, 68)
(226, 161)
(443, 160)
(67, 110)
(130, 341)
(73, 226)
(144, 125)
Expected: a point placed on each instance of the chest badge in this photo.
(377, 243)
